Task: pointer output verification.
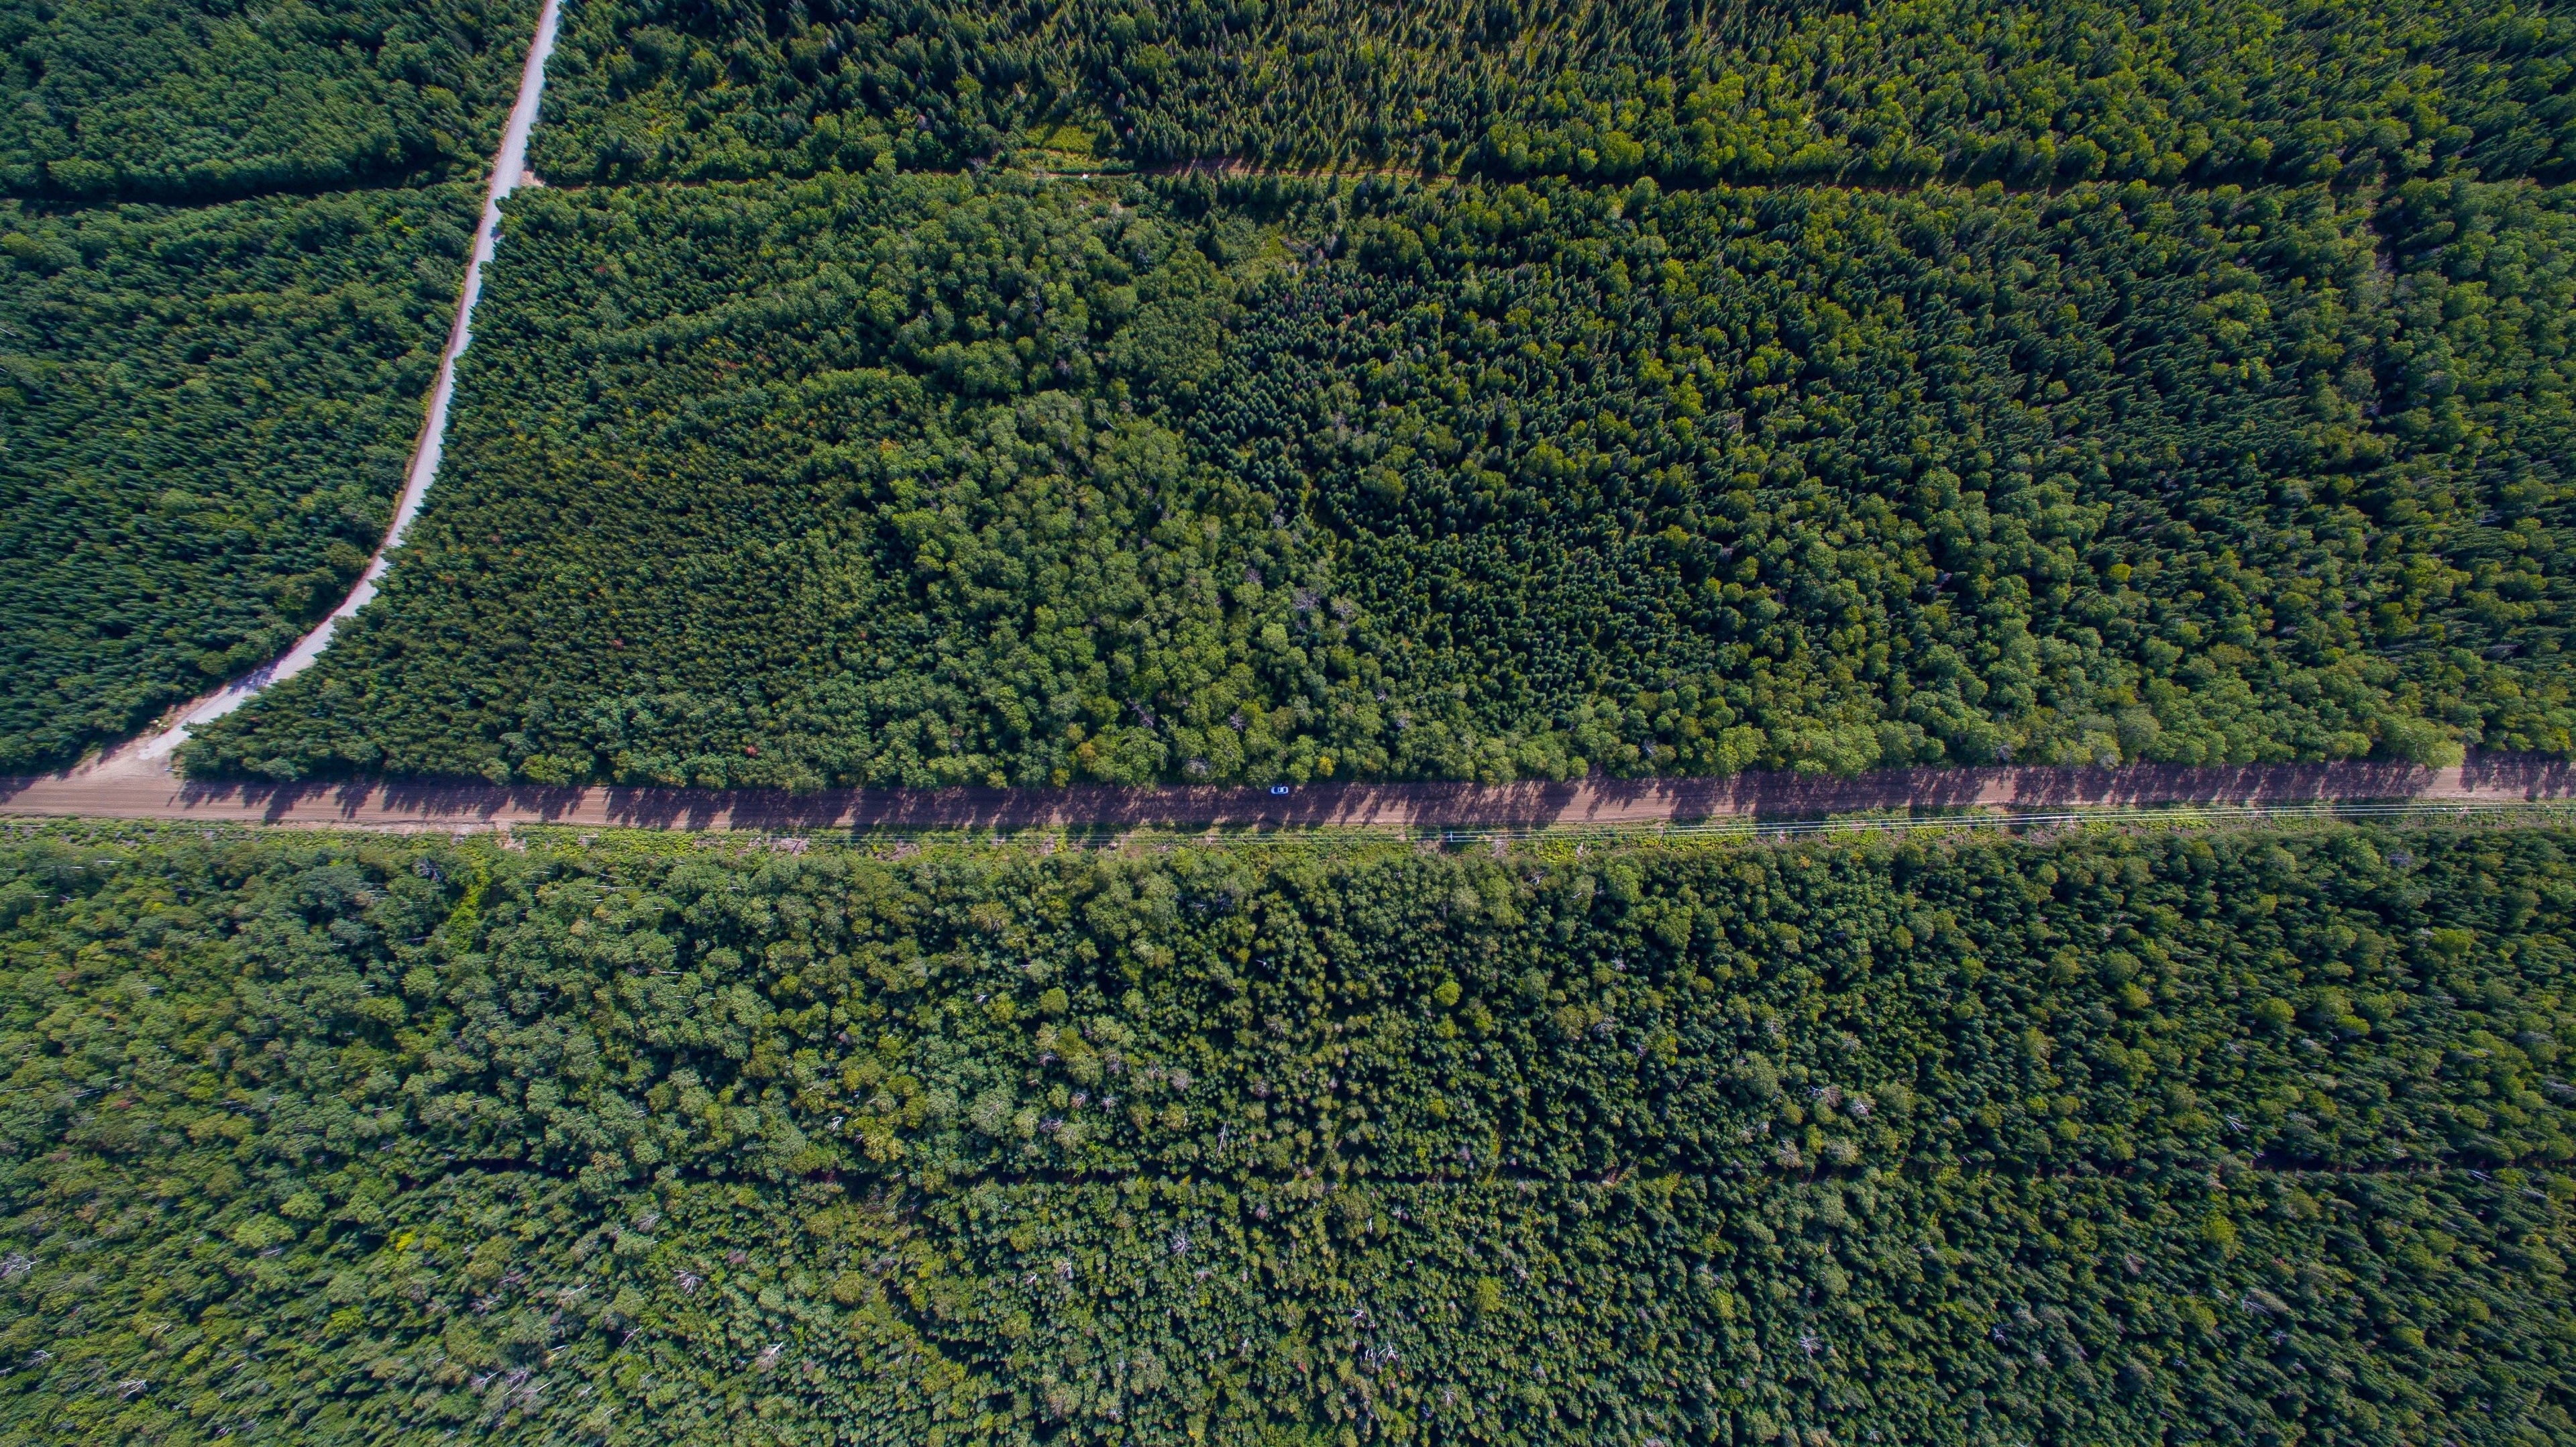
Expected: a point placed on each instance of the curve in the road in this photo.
(509, 167)
(154, 793)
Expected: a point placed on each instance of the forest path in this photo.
(146, 789)
(147, 752)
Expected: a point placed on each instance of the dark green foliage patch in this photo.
(204, 420)
(197, 100)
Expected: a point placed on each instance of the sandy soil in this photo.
(133, 788)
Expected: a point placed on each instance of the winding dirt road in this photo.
(509, 170)
(136, 790)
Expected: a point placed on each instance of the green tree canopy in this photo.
(1901, 91)
(205, 417)
(2205, 1134)
(204, 100)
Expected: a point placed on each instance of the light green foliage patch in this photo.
(2209, 91)
(2211, 1135)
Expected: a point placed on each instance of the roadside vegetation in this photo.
(936, 480)
(2166, 1134)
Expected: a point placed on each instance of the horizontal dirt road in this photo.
(132, 791)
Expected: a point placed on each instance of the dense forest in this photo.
(2161, 1136)
(207, 99)
(204, 420)
(1009, 396)
(2202, 91)
(940, 480)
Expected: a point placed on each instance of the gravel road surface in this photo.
(130, 788)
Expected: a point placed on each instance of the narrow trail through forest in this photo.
(138, 788)
(509, 168)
